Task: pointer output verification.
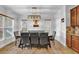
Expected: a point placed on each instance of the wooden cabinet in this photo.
(78, 15)
(73, 17)
(68, 40)
(72, 41)
(75, 43)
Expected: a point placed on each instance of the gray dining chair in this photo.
(44, 41)
(17, 37)
(34, 39)
(25, 41)
(53, 37)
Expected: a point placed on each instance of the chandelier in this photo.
(35, 17)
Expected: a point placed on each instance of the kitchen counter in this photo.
(73, 34)
(72, 38)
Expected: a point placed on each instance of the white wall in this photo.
(30, 25)
(17, 24)
(9, 13)
(43, 26)
(60, 27)
(64, 12)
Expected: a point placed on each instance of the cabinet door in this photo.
(73, 17)
(78, 15)
(75, 43)
(68, 40)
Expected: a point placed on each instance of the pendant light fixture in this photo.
(35, 17)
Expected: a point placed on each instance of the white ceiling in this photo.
(41, 9)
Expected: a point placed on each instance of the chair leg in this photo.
(53, 42)
(16, 42)
(49, 45)
(22, 47)
(20, 44)
(31, 46)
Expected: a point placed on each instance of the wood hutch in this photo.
(72, 40)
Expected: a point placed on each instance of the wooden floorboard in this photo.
(55, 49)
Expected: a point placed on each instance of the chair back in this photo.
(25, 34)
(25, 38)
(34, 38)
(16, 33)
(43, 34)
(54, 34)
(44, 38)
(33, 34)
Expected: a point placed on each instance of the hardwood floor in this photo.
(57, 49)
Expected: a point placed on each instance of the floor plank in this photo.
(57, 49)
